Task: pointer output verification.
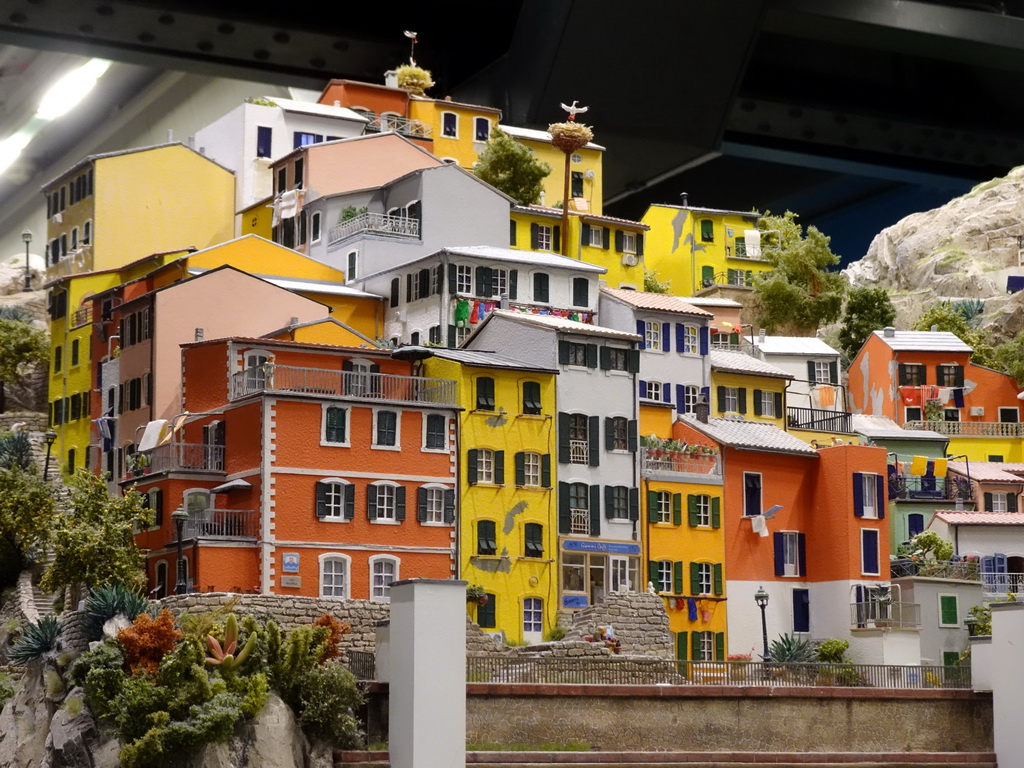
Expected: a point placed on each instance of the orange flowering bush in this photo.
(146, 642)
(337, 628)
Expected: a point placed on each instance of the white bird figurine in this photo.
(412, 46)
(573, 110)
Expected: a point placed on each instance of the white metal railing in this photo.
(376, 224)
(579, 521)
(76, 262)
(653, 460)
(220, 524)
(1002, 583)
(398, 124)
(880, 614)
(579, 452)
(196, 457)
(963, 570)
(970, 428)
(316, 381)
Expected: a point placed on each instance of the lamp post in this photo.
(26, 235)
(179, 517)
(761, 598)
(51, 438)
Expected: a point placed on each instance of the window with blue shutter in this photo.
(801, 610)
(869, 552)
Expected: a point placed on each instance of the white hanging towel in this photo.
(753, 240)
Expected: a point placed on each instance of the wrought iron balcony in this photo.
(909, 487)
(221, 524)
(654, 461)
(375, 224)
(970, 428)
(184, 457)
(819, 420)
(349, 384)
(879, 614)
(82, 316)
(403, 125)
(961, 570)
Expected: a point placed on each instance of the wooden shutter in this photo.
(564, 516)
(717, 581)
(591, 355)
(641, 328)
(880, 500)
(564, 454)
(779, 411)
(556, 238)
(633, 360)
(632, 435)
(594, 437)
(449, 505)
(705, 340)
(719, 646)
(453, 279)
(400, 503)
(513, 283)
(677, 577)
(371, 502)
(833, 372)
(609, 502)
(545, 470)
(653, 515)
(858, 494)
(421, 504)
(595, 510)
(694, 578)
(634, 504)
(609, 432)
(499, 467)
(721, 399)
(520, 464)
(605, 358)
(606, 238)
(563, 352)
(321, 499)
(639, 243)
(741, 399)
(801, 554)
(780, 553)
(408, 287)
(677, 509)
(1011, 502)
(424, 278)
(811, 372)
(692, 509)
(904, 377)
(988, 502)
(534, 236)
(948, 613)
(618, 240)
(681, 646)
(472, 463)
(757, 402)
(716, 512)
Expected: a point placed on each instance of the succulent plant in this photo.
(39, 638)
(224, 656)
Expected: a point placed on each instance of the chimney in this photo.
(685, 199)
(760, 336)
(701, 410)
(889, 332)
(934, 329)
(199, 334)
(293, 321)
(337, 103)
(170, 135)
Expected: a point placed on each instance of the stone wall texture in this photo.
(74, 632)
(639, 621)
(704, 719)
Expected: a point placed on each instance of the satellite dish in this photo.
(769, 513)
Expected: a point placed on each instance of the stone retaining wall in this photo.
(33, 421)
(638, 618)
(74, 632)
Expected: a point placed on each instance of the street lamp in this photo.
(179, 516)
(51, 438)
(761, 598)
(26, 235)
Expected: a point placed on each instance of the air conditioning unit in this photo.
(589, 174)
(977, 410)
(58, 218)
(630, 259)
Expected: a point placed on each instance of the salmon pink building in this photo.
(304, 469)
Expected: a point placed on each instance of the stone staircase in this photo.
(362, 759)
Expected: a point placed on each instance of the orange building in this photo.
(307, 469)
(808, 527)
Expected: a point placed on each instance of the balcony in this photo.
(579, 521)
(376, 387)
(970, 428)
(999, 584)
(75, 263)
(654, 461)
(739, 251)
(579, 452)
(878, 614)
(81, 316)
(819, 420)
(967, 570)
(186, 457)
(919, 487)
(403, 125)
(221, 524)
(375, 224)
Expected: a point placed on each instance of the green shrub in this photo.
(6, 690)
(39, 638)
(104, 603)
(15, 451)
(832, 650)
(329, 695)
(100, 673)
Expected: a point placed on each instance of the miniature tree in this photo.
(26, 516)
(511, 168)
(569, 137)
(21, 346)
(944, 316)
(867, 310)
(413, 79)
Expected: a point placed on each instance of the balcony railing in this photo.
(878, 614)
(375, 224)
(334, 383)
(655, 461)
(819, 420)
(922, 487)
(579, 452)
(82, 316)
(398, 124)
(936, 569)
(970, 428)
(740, 252)
(1002, 583)
(188, 457)
(76, 262)
(579, 521)
(221, 524)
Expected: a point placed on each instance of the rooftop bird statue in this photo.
(573, 110)
(412, 46)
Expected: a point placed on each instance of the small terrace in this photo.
(819, 420)
(921, 487)
(175, 457)
(671, 459)
(377, 387)
(221, 524)
(999, 584)
(882, 614)
(396, 123)
(381, 224)
(962, 570)
(970, 428)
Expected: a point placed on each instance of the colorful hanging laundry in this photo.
(919, 465)
(826, 395)
(691, 605)
(910, 395)
(461, 313)
(958, 397)
(939, 467)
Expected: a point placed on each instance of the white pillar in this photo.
(1008, 684)
(427, 669)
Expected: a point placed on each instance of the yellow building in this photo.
(682, 503)
(586, 182)
(459, 131)
(746, 386)
(696, 248)
(507, 526)
(615, 244)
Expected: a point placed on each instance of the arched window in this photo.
(334, 576)
(383, 571)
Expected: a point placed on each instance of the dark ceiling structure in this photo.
(851, 112)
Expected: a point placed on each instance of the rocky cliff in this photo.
(964, 249)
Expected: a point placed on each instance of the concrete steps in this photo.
(361, 759)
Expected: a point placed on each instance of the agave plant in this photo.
(106, 602)
(15, 451)
(790, 649)
(39, 638)
(224, 656)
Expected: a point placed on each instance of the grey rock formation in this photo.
(24, 723)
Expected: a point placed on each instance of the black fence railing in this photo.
(819, 420)
(362, 664)
(925, 487)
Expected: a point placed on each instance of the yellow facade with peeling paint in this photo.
(507, 528)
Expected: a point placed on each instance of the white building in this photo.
(596, 433)
(814, 366)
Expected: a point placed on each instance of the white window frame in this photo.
(655, 390)
(574, 349)
(381, 592)
(707, 646)
(531, 470)
(398, 430)
(596, 237)
(351, 266)
(87, 232)
(258, 375)
(691, 340)
(760, 486)
(865, 533)
(74, 238)
(822, 374)
(476, 129)
(445, 134)
(347, 443)
(391, 507)
(463, 278)
(435, 504)
(579, 515)
(1016, 413)
(315, 227)
(705, 577)
(485, 456)
(999, 503)
(346, 585)
(499, 282)
(691, 395)
(869, 492)
(423, 442)
(790, 553)
(163, 564)
(947, 412)
(768, 404)
(533, 618)
(664, 506)
(619, 427)
(652, 335)
(462, 333)
(544, 237)
(906, 413)
(938, 602)
(664, 577)
(628, 242)
(435, 279)
(703, 510)
(334, 509)
(732, 400)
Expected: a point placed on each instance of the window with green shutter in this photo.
(486, 537)
(681, 646)
(950, 659)
(949, 611)
(485, 393)
(335, 423)
(707, 231)
(533, 537)
(531, 398)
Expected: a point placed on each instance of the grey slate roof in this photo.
(924, 341)
(882, 427)
(738, 362)
(794, 345)
(751, 435)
